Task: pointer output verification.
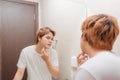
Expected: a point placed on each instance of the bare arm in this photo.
(53, 69)
(19, 74)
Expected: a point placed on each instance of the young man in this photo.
(99, 33)
(40, 60)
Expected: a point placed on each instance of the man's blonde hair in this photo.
(101, 31)
(43, 31)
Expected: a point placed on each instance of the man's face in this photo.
(46, 40)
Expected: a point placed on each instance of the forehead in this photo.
(49, 34)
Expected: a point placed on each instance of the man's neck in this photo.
(93, 52)
(38, 48)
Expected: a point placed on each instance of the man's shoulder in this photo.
(97, 62)
(28, 48)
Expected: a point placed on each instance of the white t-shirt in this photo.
(36, 67)
(104, 66)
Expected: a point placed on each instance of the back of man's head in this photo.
(101, 31)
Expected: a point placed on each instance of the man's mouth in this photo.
(49, 44)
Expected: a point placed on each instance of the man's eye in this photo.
(52, 39)
(49, 38)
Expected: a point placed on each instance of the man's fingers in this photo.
(81, 58)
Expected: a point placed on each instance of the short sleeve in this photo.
(22, 60)
(83, 75)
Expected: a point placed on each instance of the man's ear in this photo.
(84, 36)
(39, 39)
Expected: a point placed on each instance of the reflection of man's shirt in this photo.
(36, 67)
(103, 66)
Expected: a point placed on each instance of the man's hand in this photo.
(81, 58)
(45, 55)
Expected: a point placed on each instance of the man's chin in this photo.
(47, 47)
